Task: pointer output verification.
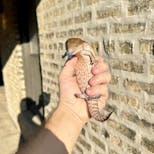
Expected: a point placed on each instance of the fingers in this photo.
(102, 78)
(98, 90)
(98, 83)
(100, 67)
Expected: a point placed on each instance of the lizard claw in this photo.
(93, 97)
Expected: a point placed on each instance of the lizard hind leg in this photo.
(86, 97)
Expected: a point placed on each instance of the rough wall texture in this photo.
(14, 83)
(127, 29)
(12, 60)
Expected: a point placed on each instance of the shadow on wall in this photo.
(29, 110)
(18, 25)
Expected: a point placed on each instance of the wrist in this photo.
(66, 125)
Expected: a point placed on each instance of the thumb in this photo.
(69, 67)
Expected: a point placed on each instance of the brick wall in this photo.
(12, 59)
(14, 83)
(126, 29)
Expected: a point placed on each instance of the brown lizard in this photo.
(86, 59)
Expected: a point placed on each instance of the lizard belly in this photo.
(83, 72)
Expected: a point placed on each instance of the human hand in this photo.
(68, 87)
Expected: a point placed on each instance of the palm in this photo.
(68, 87)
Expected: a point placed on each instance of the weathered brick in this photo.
(148, 144)
(105, 133)
(84, 17)
(153, 127)
(84, 143)
(51, 25)
(127, 66)
(74, 4)
(67, 22)
(49, 4)
(109, 12)
(149, 107)
(83, 131)
(131, 101)
(152, 69)
(145, 124)
(95, 127)
(116, 141)
(97, 142)
(114, 80)
(122, 129)
(54, 66)
(132, 150)
(146, 46)
(58, 11)
(125, 47)
(97, 152)
(152, 26)
(61, 46)
(142, 123)
(49, 35)
(139, 6)
(109, 46)
(75, 32)
(131, 117)
(112, 151)
(90, 2)
(60, 1)
(138, 86)
(61, 34)
(79, 149)
(95, 31)
(127, 28)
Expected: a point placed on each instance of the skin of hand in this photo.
(71, 114)
(98, 85)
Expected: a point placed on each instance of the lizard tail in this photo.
(94, 112)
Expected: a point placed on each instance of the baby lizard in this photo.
(86, 59)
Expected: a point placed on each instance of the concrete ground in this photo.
(9, 135)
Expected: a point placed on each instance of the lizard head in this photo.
(75, 46)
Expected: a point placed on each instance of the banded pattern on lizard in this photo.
(86, 59)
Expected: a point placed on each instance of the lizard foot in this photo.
(86, 97)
